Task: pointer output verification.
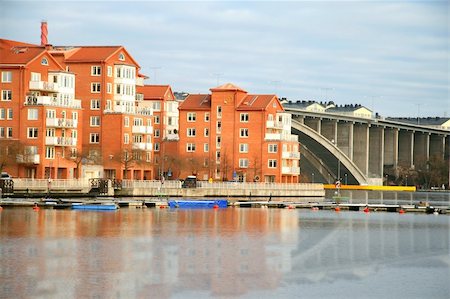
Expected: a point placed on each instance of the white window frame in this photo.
(96, 70)
(95, 121)
(190, 147)
(272, 163)
(206, 132)
(191, 117)
(109, 71)
(6, 95)
(243, 132)
(156, 133)
(94, 138)
(126, 122)
(50, 152)
(6, 77)
(9, 114)
(244, 117)
(156, 119)
(205, 147)
(243, 163)
(96, 87)
(207, 117)
(190, 132)
(33, 114)
(32, 133)
(243, 147)
(272, 148)
(95, 104)
(109, 88)
(9, 132)
(156, 147)
(126, 138)
(2, 113)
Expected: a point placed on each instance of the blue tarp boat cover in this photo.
(95, 207)
(198, 204)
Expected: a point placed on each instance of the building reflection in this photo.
(160, 253)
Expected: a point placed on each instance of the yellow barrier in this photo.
(372, 188)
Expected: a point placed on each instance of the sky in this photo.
(390, 56)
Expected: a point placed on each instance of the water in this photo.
(229, 253)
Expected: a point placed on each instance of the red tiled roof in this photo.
(196, 102)
(227, 86)
(154, 92)
(92, 53)
(13, 52)
(256, 102)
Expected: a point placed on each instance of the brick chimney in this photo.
(44, 33)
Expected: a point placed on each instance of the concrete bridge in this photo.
(361, 150)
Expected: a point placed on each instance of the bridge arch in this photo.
(326, 151)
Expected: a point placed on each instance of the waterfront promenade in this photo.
(136, 188)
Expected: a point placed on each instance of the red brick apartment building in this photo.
(161, 100)
(69, 112)
(40, 115)
(232, 135)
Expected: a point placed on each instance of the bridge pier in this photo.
(376, 146)
(391, 147)
(361, 147)
(437, 146)
(406, 149)
(421, 149)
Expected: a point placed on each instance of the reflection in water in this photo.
(154, 253)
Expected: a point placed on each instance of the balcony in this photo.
(272, 136)
(43, 86)
(28, 159)
(172, 137)
(61, 123)
(143, 146)
(51, 101)
(60, 141)
(290, 170)
(271, 124)
(290, 155)
(139, 97)
(142, 130)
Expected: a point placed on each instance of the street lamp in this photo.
(339, 162)
(312, 175)
(346, 182)
(406, 180)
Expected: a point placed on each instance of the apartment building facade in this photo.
(232, 135)
(40, 116)
(161, 100)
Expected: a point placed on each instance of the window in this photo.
(190, 132)
(6, 95)
(9, 133)
(126, 121)
(156, 133)
(94, 138)
(243, 163)
(243, 133)
(36, 77)
(156, 105)
(206, 116)
(273, 148)
(2, 113)
(74, 134)
(244, 117)
(206, 147)
(2, 132)
(96, 70)
(95, 87)
(190, 147)
(218, 141)
(108, 87)
(121, 57)
(49, 152)
(206, 132)
(272, 163)
(156, 147)
(219, 111)
(156, 119)
(95, 104)
(191, 116)
(138, 138)
(109, 71)
(74, 115)
(243, 147)
(32, 133)
(49, 113)
(32, 114)
(10, 114)
(108, 105)
(6, 77)
(44, 61)
(95, 121)
(219, 126)
(50, 133)
(126, 138)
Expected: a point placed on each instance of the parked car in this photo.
(5, 176)
(190, 182)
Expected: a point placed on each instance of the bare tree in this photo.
(129, 158)
(9, 153)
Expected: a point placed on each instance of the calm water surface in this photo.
(229, 253)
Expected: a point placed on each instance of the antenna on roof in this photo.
(218, 75)
(154, 68)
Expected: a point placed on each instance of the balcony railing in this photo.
(142, 129)
(28, 159)
(142, 146)
(51, 101)
(272, 136)
(139, 97)
(61, 122)
(290, 170)
(60, 141)
(271, 124)
(290, 155)
(44, 86)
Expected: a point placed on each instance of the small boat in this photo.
(198, 204)
(95, 207)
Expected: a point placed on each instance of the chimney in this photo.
(44, 33)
